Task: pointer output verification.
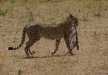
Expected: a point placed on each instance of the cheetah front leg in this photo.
(57, 46)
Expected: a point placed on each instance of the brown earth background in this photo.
(91, 59)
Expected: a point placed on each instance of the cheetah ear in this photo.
(70, 15)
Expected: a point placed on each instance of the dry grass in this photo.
(93, 37)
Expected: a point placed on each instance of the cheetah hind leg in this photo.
(28, 52)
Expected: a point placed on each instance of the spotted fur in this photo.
(66, 30)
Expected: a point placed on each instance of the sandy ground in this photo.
(91, 59)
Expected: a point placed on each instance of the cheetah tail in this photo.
(22, 41)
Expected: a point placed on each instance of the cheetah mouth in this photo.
(10, 48)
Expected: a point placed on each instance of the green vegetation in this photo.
(3, 12)
(45, 10)
(12, 1)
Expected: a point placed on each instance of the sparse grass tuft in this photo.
(97, 15)
(13, 1)
(3, 12)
